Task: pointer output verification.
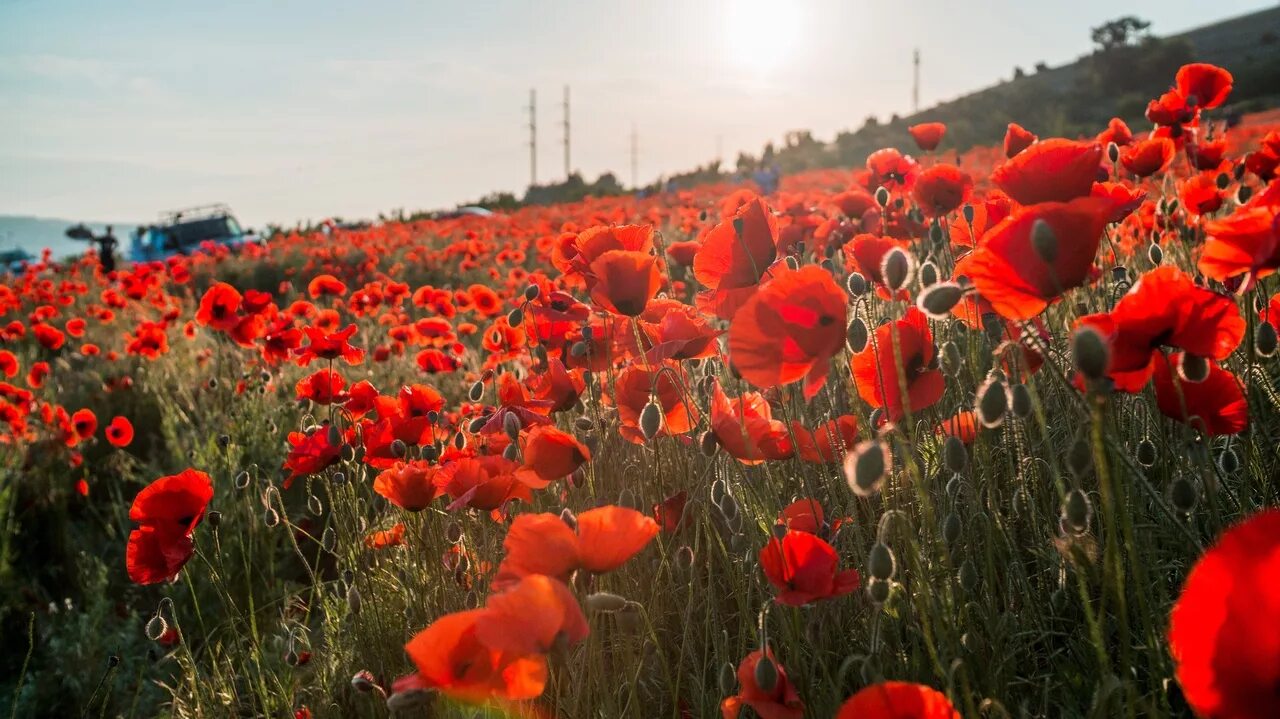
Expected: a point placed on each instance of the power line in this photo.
(915, 83)
(635, 156)
(566, 131)
(533, 137)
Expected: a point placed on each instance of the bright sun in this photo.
(761, 35)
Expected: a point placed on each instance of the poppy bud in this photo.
(650, 420)
(511, 425)
(578, 349)
(937, 300)
(568, 517)
(969, 578)
(531, 292)
(353, 599)
(477, 424)
(605, 602)
(626, 498)
(408, 700)
(329, 539)
(935, 233)
(684, 558)
(1044, 240)
(363, 681)
(928, 274)
(878, 590)
(1223, 180)
(993, 402)
(314, 505)
(1193, 368)
(1264, 339)
(856, 284)
(738, 224)
(708, 443)
(270, 517)
(882, 196)
(1229, 461)
(955, 455)
(1155, 253)
(896, 268)
(215, 518)
(113, 661)
(1090, 353)
(952, 360)
(156, 627)
(515, 317)
(1173, 206)
(1183, 494)
(1113, 152)
(792, 263)
(951, 528)
(242, 479)
(511, 452)
(718, 490)
(881, 563)
(865, 467)
(766, 675)
(1243, 193)
(1079, 458)
(1146, 452)
(856, 335)
(1077, 511)
(459, 441)
(728, 679)
(1020, 401)
(339, 478)
(728, 507)
(583, 424)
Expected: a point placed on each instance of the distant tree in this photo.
(1041, 66)
(1121, 32)
(1018, 73)
(871, 121)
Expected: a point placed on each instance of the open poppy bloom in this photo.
(485, 483)
(1054, 170)
(1165, 309)
(322, 387)
(1205, 86)
(410, 486)
(902, 353)
(890, 169)
(1147, 157)
(746, 429)
(941, 189)
(603, 540)
(329, 346)
(782, 701)
(805, 569)
(451, 658)
(531, 617)
(167, 512)
(790, 330)
(828, 442)
(310, 453)
(1009, 272)
(119, 432)
(669, 330)
(551, 453)
(664, 383)
(1214, 406)
(1246, 242)
(898, 700)
(734, 257)
(927, 135)
(220, 307)
(625, 281)
(1223, 633)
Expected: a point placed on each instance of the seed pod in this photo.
(1155, 253)
(950, 358)
(353, 599)
(969, 578)
(1264, 339)
(1193, 368)
(865, 467)
(878, 590)
(1044, 241)
(1113, 152)
(1090, 353)
(511, 452)
(1183, 494)
(1229, 461)
(896, 268)
(951, 529)
(477, 424)
(1077, 511)
(531, 292)
(650, 420)
(1079, 458)
(1146, 452)
(1222, 180)
(708, 443)
(398, 448)
(363, 681)
(476, 393)
(929, 274)
(511, 425)
(766, 674)
(882, 196)
(881, 563)
(728, 679)
(954, 455)
(856, 284)
(937, 300)
(856, 335)
(993, 402)
(605, 602)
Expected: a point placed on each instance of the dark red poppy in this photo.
(85, 423)
(310, 453)
(790, 330)
(1223, 633)
(805, 569)
(1215, 406)
(1054, 170)
(167, 512)
(927, 135)
(329, 346)
(901, 354)
(898, 700)
(941, 189)
(781, 701)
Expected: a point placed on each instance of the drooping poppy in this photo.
(898, 700)
(790, 330)
(1223, 633)
(167, 512)
(734, 257)
(781, 701)
(746, 429)
(1214, 406)
(551, 453)
(902, 353)
(941, 189)
(804, 569)
(1016, 139)
(1054, 170)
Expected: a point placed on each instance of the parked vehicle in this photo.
(15, 260)
(183, 231)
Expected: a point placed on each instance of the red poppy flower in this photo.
(1016, 139)
(310, 454)
(602, 540)
(1205, 86)
(326, 286)
(551, 453)
(1246, 242)
(828, 442)
(805, 569)
(485, 483)
(384, 538)
(803, 515)
(735, 255)
(890, 169)
(1010, 274)
(119, 432)
(1117, 131)
(167, 512)
(1165, 309)
(322, 387)
(790, 330)
(625, 281)
(577, 254)
(410, 486)
(9, 363)
(220, 307)
(1054, 170)
(49, 337)
(85, 423)
(37, 374)
(941, 189)
(669, 329)
(1124, 199)
(668, 385)
(898, 700)
(902, 353)
(927, 135)
(451, 659)
(670, 513)
(1199, 195)
(782, 701)
(532, 617)
(746, 429)
(329, 346)
(1214, 406)
(1147, 157)
(1223, 633)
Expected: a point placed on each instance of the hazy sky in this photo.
(116, 110)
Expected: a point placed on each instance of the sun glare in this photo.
(761, 35)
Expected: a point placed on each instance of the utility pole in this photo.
(915, 83)
(533, 137)
(566, 131)
(635, 155)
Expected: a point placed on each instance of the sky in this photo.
(291, 110)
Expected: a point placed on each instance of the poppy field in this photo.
(989, 433)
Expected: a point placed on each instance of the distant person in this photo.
(107, 251)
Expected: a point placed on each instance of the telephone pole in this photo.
(915, 83)
(533, 137)
(566, 131)
(635, 155)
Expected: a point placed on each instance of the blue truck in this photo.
(184, 231)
